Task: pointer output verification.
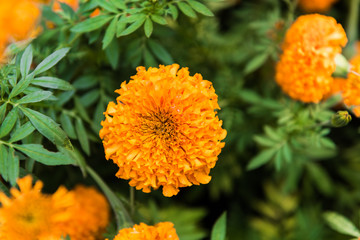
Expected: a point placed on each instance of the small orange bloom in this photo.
(95, 13)
(74, 4)
(89, 214)
(307, 63)
(161, 231)
(316, 5)
(163, 130)
(28, 214)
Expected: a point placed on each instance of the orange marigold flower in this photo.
(74, 4)
(163, 130)
(307, 63)
(161, 231)
(30, 215)
(351, 93)
(89, 214)
(316, 5)
(95, 13)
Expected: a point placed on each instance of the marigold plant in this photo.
(161, 231)
(351, 92)
(89, 214)
(28, 214)
(307, 63)
(163, 130)
(316, 5)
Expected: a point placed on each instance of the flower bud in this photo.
(340, 119)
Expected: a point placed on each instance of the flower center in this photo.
(159, 125)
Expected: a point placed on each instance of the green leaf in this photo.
(109, 6)
(90, 97)
(67, 125)
(4, 189)
(13, 166)
(21, 86)
(200, 8)
(8, 122)
(22, 132)
(82, 135)
(77, 157)
(52, 82)
(264, 141)
(109, 33)
(37, 96)
(256, 62)
(174, 12)
(2, 111)
(85, 82)
(160, 52)
(186, 9)
(262, 158)
(119, 4)
(4, 162)
(51, 60)
(341, 224)
(47, 127)
(133, 27)
(158, 19)
(25, 61)
(219, 230)
(148, 27)
(149, 59)
(91, 24)
(120, 26)
(40, 154)
(81, 109)
(112, 53)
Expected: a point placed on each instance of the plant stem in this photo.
(352, 26)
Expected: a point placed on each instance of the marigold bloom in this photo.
(95, 13)
(30, 215)
(351, 93)
(89, 214)
(163, 130)
(161, 231)
(316, 5)
(307, 63)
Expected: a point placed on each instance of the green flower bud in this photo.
(340, 119)
(342, 66)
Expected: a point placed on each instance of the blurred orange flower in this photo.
(28, 214)
(161, 231)
(316, 5)
(163, 130)
(351, 93)
(74, 4)
(89, 214)
(307, 63)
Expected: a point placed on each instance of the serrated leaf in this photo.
(186, 9)
(47, 127)
(2, 111)
(52, 82)
(91, 24)
(40, 154)
(160, 52)
(174, 11)
(341, 224)
(148, 27)
(133, 27)
(21, 86)
(219, 230)
(4, 162)
(51, 60)
(9, 122)
(22, 132)
(67, 125)
(158, 19)
(82, 136)
(109, 33)
(200, 8)
(262, 158)
(25, 61)
(13, 166)
(34, 97)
